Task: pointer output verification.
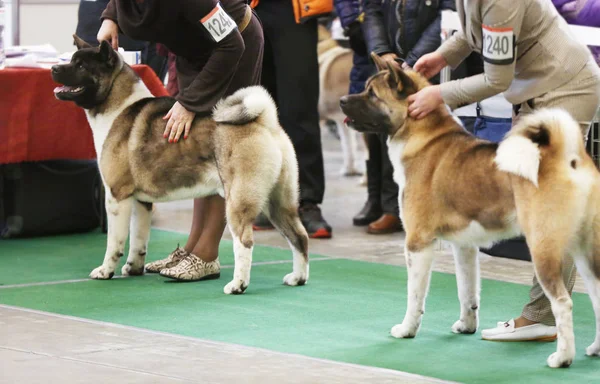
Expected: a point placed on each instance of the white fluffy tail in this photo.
(520, 152)
(247, 105)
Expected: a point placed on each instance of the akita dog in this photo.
(539, 182)
(240, 152)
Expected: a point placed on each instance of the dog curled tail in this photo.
(544, 134)
(245, 106)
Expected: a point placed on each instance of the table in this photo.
(35, 126)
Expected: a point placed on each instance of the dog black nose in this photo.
(343, 100)
(56, 68)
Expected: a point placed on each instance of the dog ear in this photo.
(380, 64)
(80, 43)
(394, 70)
(400, 80)
(106, 51)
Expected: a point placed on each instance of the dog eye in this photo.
(80, 66)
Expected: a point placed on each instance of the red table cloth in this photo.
(35, 126)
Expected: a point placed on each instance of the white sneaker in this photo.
(507, 332)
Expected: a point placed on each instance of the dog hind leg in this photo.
(467, 279)
(287, 222)
(240, 213)
(592, 284)
(118, 215)
(418, 265)
(547, 261)
(140, 234)
(588, 266)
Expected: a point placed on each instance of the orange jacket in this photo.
(307, 9)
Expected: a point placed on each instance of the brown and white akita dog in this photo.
(240, 152)
(538, 181)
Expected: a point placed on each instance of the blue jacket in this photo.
(348, 10)
(408, 28)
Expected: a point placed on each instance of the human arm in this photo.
(502, 21)
(351, 17)
(348, 11)
(109, 30)
(374, 29)
(430, 38)
(212, 81)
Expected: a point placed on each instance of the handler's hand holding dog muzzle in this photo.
(426, 100)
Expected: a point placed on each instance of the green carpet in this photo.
(343, 314)
(75, 256)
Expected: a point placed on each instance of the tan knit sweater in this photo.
(543, 54)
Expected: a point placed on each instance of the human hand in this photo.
(390, 57)
(109, 31)
(420, 104)
(393, 59)
(180, 120)
(430, 64)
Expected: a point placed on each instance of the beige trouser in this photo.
(581, 98)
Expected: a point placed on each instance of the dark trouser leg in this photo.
(293, 79)
(372, 208)
(389, 221)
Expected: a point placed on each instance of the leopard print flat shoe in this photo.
(193, 268)
(170, 261)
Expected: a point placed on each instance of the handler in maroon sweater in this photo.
(219, 49)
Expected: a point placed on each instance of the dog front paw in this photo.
(294, 279)
(560, 360)
(593, 350)
(402, 331)
(467, 327)
(101, 273)
(235, 287)
(132, 270)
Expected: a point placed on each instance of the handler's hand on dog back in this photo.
(180, 120)
(109, 31)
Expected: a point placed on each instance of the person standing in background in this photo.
(351, 15)
(291, 75)
(398, 31)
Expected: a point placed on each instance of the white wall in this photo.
(48, 23)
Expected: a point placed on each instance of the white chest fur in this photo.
(476, 235)
(395, 151)
(101, 123)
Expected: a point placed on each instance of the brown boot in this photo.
(387, 223)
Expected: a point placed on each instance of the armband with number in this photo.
(498, 45)
(218, 23)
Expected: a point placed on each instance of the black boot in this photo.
(371, 211)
